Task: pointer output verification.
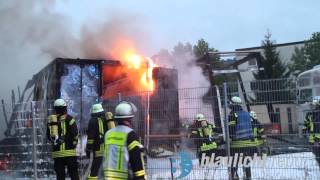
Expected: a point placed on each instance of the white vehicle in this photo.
(308, 86)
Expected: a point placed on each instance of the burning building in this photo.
(83, 82)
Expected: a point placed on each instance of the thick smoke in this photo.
(183, 59)
(193, 85)
(32, 35)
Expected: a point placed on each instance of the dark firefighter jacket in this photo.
(123, 154)
(96, 129)
(68, 136)
(312, 126)
(205, 137)
(256, 127)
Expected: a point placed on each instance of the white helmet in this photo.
(59, 103)
(253, 115)
(200, 117)
(316, 100)
(125, 110)
(235, 100)
(96, 108)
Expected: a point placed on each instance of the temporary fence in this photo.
(164, 122)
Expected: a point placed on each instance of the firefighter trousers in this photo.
(316, 151)
(72, 166)
(96, 163)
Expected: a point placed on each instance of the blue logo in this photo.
(185, 165)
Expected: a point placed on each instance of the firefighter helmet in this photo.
(235, 100)
(97, 108)
(59, 103)
(125, 110)
(253, 115)
(200, 117)
(316, 101)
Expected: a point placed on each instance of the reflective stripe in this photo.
(90, 141)
(116, 138)
(246, 143)
(115, 174)
(200, 132)
(65, 153)
(113, 178)
(71, 122)
(207, 147)
(99, 153)
(232, 123)
(92, 177)
(261, 130)
(311, 125)
(139, 173)
(63, 132)
(133, 145)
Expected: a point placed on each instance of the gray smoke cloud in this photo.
(32, 35)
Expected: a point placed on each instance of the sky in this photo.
(226, 25)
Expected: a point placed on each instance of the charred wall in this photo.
(164, 102)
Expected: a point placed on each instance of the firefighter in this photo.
(241, 135)
(258, 130)
(312, 127)
(205, 136)
(123, 154)
(97, 127)
(63, 133)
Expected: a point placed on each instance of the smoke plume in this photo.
(33, 34)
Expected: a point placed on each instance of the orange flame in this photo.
(139, 68)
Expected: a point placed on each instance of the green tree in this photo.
(273, 66)
(298, 60)
(312, 50)
(271, 91)
(208, 62)
(305, 58)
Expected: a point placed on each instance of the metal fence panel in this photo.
(164, 121)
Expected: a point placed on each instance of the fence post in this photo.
(34, 139)
(119, 97)
(148, 120)
(226, 127)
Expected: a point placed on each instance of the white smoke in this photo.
(183, 59)
(192, 84)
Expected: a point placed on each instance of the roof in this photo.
(314, 69)
(276, 45)
(245, 59)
